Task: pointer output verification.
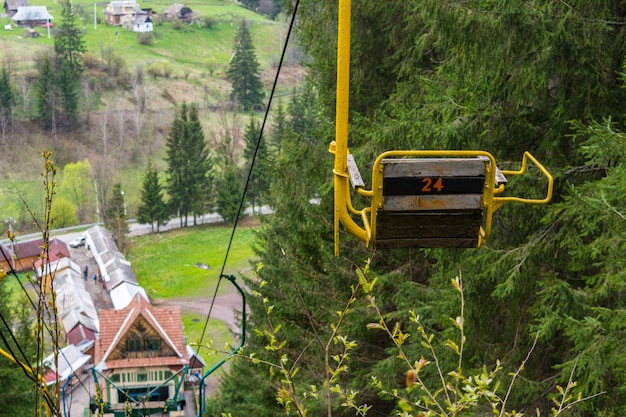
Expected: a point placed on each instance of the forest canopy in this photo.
(504, 77)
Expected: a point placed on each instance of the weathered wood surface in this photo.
(432, 202)
(430, 167)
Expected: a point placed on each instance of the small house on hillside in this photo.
(179, 11)
(143, 23)
(30, 16)
(11, 6)
(117, 12)
(141, 357)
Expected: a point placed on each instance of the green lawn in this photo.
(216, 337)
(165, 263)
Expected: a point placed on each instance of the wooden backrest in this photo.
(431, 202)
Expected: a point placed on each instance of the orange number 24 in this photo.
(429, 185)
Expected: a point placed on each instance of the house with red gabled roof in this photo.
(28, 254)
(141, 357)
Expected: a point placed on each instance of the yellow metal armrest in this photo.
(499, 201)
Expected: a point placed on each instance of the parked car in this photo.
(78, 242)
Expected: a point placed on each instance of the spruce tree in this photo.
(68, 92)
(244, 73)
(46, 93)
(116, 217)
(279, 127)
(189, 165)
(7, 97)
(152, 207)
(69, 44)
(200, 166)
(229, 193)
(258, 184)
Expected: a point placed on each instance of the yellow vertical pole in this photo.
(341, 180)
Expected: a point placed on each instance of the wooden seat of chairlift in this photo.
(431, 202)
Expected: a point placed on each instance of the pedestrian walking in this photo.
(86, 272)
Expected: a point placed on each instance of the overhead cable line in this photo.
(256, 151)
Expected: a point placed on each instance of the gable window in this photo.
(142, 377)
(151, 344)
(133, 345)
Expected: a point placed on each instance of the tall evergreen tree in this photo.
(229, 193)
(68, 92)
(189, 164)
(279, 126)
(200, 166)
(244, 73)
(7, 97)
(69, 44)
(116, 217)
(46, 94)
(152, 207)
(258, 184)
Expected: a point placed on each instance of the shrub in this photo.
(144, 38)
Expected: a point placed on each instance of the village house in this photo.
(142, 24)
(11, 6)
(31, 16)
(28, 254)
(179, 11)
(141, 357)
(119, 12)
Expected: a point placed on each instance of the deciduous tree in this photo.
(77, 186)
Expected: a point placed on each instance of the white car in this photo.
(78, 242)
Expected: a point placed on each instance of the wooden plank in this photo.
(432, 202)
(462, 224)
(433, 185)
(429, 219)
(433, 167)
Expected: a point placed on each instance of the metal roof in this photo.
(32, 13)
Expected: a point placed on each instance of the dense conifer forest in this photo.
(545, 291)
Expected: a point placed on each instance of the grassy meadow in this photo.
(187, 48)
(165, 263)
